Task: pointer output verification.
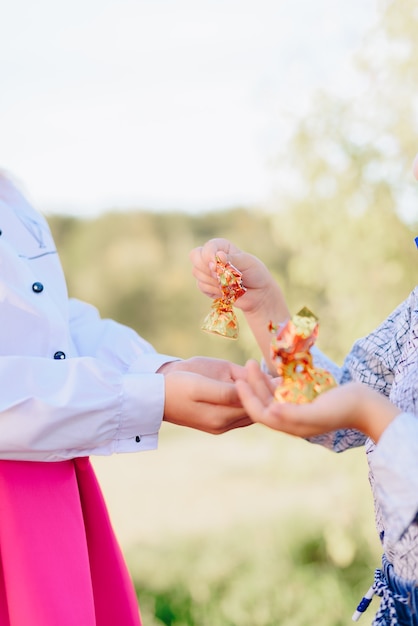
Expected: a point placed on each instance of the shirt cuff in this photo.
(394, 464)
(150, 362)
(146, 442)
(143, 397)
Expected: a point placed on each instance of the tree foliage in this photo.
(350, 268)
(338, 239)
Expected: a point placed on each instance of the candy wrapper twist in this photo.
(221, 319)
(300, 381)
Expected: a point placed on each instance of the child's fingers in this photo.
(260, 383)
(207, 283)
(238, 372)
(205, 274)
(256, 392)
(252, 404)
(209, 289)
(206, 254)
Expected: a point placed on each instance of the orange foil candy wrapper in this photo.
(301, 381)
(221, 319)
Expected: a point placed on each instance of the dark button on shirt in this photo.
(37, 287)
(59, 355)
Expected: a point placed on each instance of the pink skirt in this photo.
(60, 562)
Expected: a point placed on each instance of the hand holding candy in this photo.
(301, 381)
(221, 319)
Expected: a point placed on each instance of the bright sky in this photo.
(163, 104)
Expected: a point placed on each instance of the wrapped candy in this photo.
(221, 319)
(301, 381)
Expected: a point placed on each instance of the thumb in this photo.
(244, 262)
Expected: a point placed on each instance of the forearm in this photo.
(271, 308)
(375, 413)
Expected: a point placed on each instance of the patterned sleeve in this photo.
(339, 440)
(371, 361)
(374, 358)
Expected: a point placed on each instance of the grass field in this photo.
(249, 528)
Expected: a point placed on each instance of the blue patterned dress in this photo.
(387, 360)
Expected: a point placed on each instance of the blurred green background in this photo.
(255, 528)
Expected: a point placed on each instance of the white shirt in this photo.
(72, 384)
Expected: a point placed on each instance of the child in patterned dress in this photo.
(375, 405)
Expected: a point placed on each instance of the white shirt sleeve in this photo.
(58, 409)
(111, 342)
(106, 399)
(72, 384)
(395, 467)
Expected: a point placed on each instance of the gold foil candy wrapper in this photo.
(301, 381)
(221, 320)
